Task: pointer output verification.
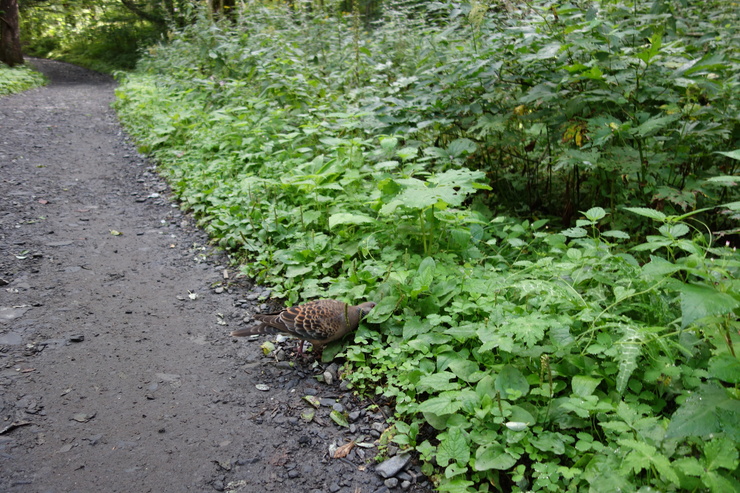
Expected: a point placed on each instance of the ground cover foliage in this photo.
(596, 351)
(19, 78)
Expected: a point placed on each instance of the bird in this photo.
(318, 322)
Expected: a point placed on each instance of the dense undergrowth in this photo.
(17, 79)
(99, 35)
(387, 164)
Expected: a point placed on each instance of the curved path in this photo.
(112, 377)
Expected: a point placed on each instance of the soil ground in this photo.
(117, 373)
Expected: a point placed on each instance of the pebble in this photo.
(354, 416)
(405, 485)
(326, 402)
(328, 377)
(379, 427)
(393, 466)
(391, 482)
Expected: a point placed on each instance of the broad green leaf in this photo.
(584, 386)
(438, 382)
(415, 326)
(651, 213)
(575, 232)
(708, 411)
(491, 338)
(453, 446)
(655, 124)
(297, 270)
(689, 466)
(616, 234)
(726, 180)
(424, 275)
(643, 455)
(725, 367)
(659, 267)
(721, 453)
(731, 154)
(673, 230)
(595, 214)
(493, 456)
(456, 485)
(347, 218)
(511, 379)
(549, 441)
(383, 310)
(717, 483)
(699, 301)
(466, 370)
(446, 403)
(459, 146)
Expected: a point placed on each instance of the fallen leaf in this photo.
(344, 450)
(44, 202)
(313, 400)
(115, 233)
(267, 347)
(339, 418)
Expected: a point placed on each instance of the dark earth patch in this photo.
(116, 369)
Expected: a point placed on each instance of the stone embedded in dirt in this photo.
(76, 338)
(8, 313)
(83, 417)
(393, 466)
(328, 377)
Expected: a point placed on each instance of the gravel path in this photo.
(116, 369)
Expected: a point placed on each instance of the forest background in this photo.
(541, 197)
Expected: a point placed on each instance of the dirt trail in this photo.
(112, 377)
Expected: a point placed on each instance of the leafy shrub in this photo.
(335, 162)
(18, 79)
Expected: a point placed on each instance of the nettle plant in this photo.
(576, 367)
(517, 358)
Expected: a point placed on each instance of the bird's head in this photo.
(366, 307)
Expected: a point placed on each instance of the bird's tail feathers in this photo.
(254, 330)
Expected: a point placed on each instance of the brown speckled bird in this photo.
(318, 322)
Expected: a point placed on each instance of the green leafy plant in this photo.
(17, 79)
(520, 356)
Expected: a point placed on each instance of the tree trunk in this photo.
(10, 33)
